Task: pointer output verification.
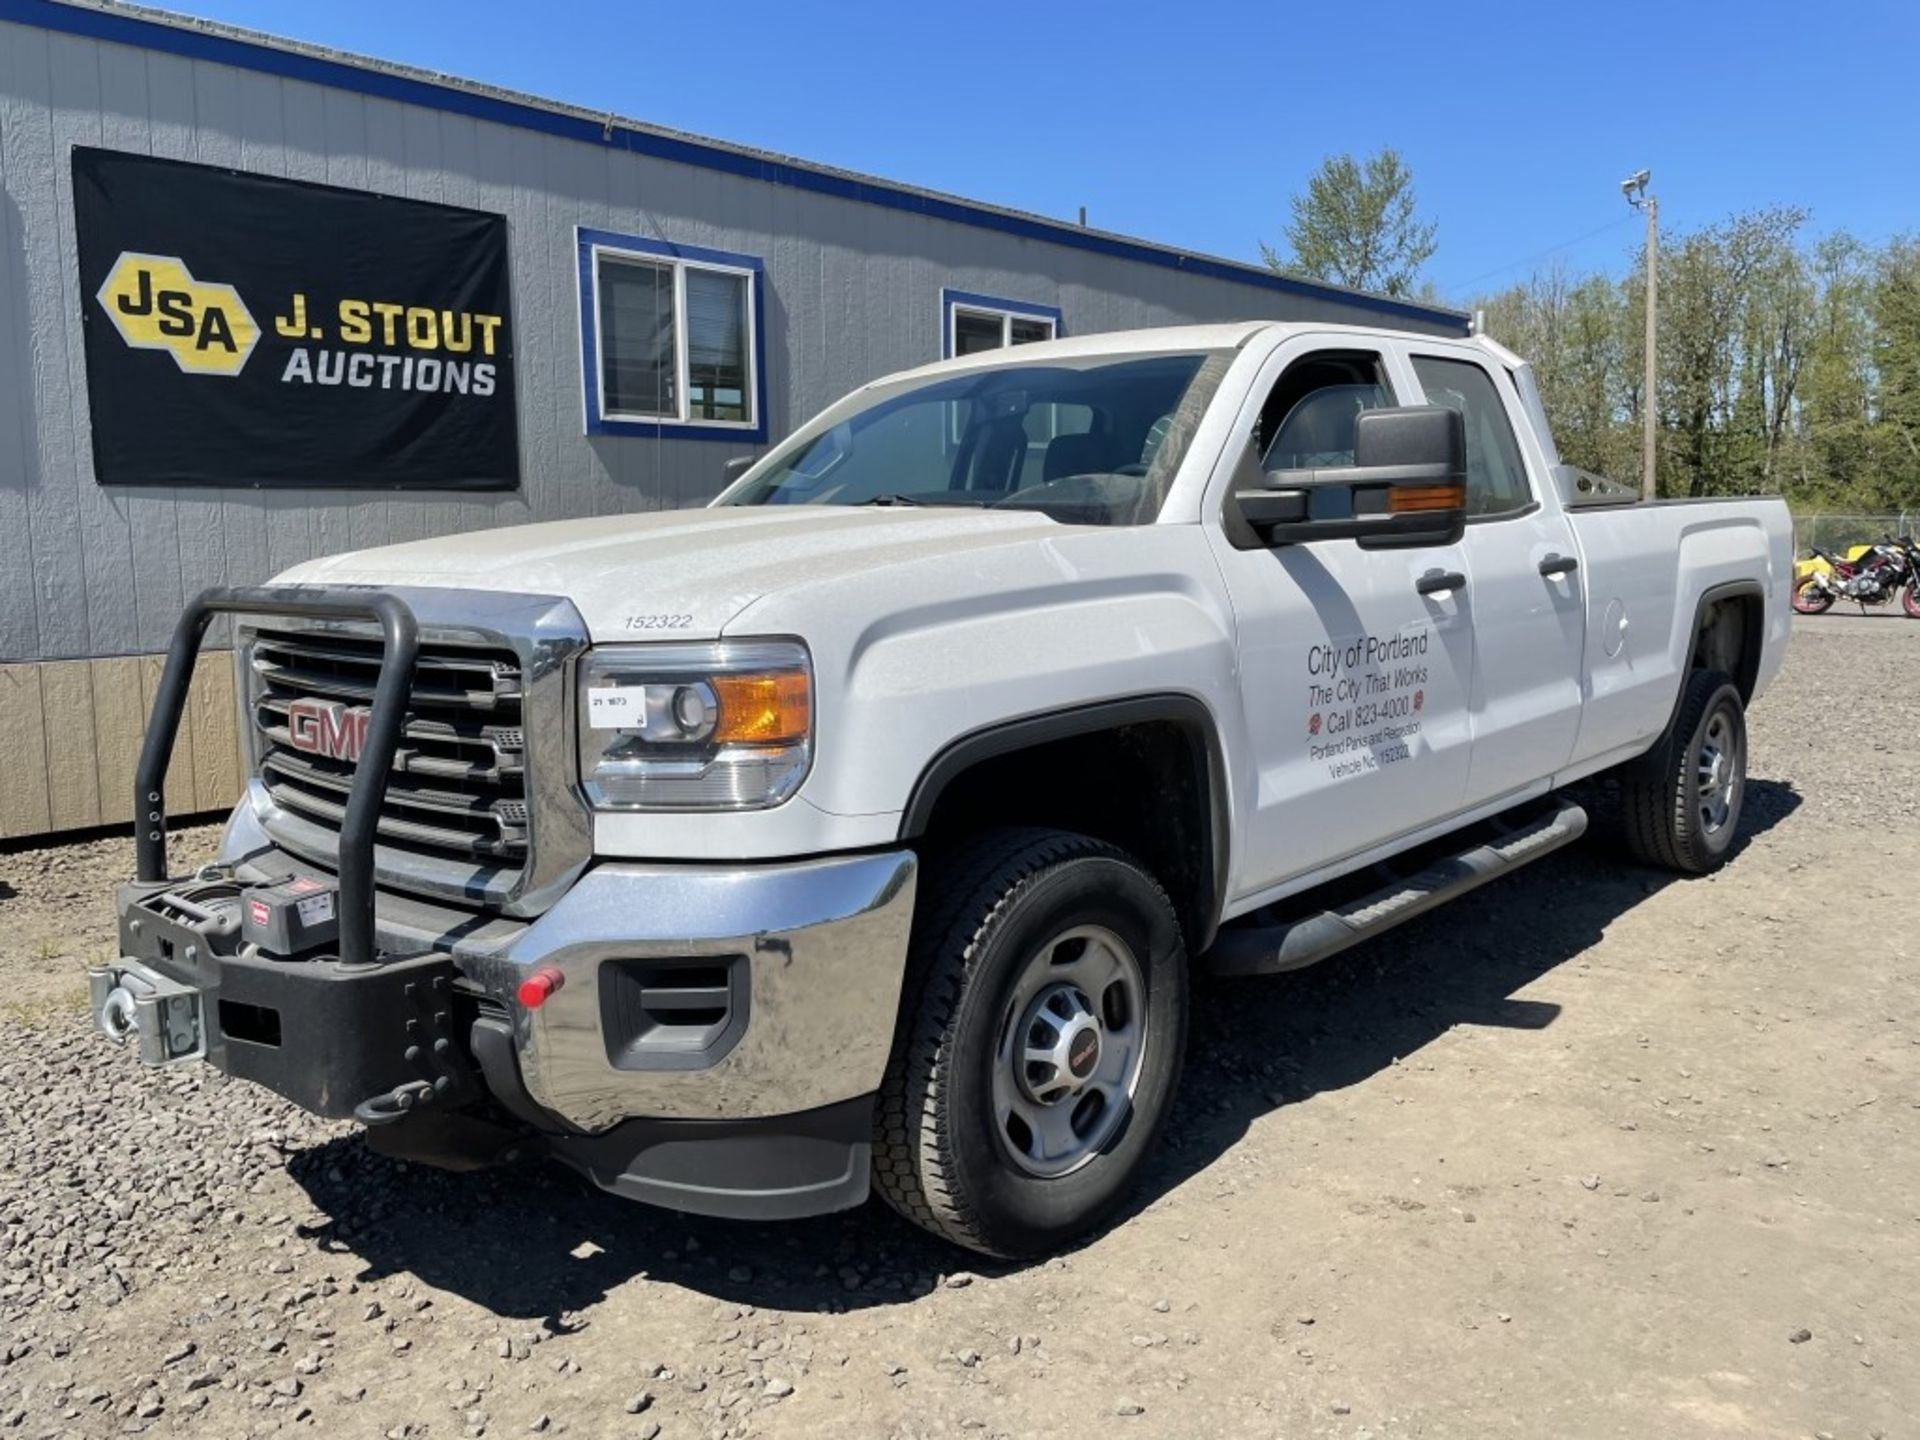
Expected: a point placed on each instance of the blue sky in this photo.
(1191, 123)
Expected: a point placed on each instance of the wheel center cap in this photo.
(1061, 1043)
(1083, 1053)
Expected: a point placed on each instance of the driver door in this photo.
(1355, 665)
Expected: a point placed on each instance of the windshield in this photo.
(1092, 441)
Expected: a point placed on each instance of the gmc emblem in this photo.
(328, 727)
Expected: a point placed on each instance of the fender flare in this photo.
(1187, 712)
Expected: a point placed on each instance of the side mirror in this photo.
(737, 466)
(1407, 486)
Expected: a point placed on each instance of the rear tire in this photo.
(1681, 802)
(1810, 598)
(1031, 944)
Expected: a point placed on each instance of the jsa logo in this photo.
(156, 304)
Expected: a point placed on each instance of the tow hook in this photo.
(163, 1018)
(396, 1104)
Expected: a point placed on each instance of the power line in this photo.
(1541, 255)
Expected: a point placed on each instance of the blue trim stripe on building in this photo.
(599, 424)
(196, 44)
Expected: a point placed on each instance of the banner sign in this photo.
(245, 330)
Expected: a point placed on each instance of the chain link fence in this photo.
(1836, 534)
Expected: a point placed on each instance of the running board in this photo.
(1506, 843)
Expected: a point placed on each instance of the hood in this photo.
(676, 574)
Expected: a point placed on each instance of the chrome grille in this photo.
(459, 787)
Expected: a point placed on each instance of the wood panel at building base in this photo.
(70, 733)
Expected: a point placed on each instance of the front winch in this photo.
(237, 973)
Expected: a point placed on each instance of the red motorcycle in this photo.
(1888, 569)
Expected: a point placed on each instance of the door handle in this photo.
(1554, 566)
(1436, 581)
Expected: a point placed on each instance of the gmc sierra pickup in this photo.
(863, 828)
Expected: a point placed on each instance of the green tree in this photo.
(1356, 225)
(1786, 367)
(1896, 363)
(1834, 460)
(1716, 323)
(1573, 334)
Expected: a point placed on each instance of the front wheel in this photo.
(1681, 802)
(1810, 597)
(1910, 600)
(1042, 1033)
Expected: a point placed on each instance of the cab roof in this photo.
(1158, 340)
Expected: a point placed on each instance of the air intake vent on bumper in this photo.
(672, 1014)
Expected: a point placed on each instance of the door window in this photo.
(1496, 478)
(1308, 420)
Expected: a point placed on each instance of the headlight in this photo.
(726, 726)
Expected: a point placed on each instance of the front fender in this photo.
(906, 664)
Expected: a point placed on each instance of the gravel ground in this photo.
(1592, 1152)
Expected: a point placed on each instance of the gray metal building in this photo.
(790, 284)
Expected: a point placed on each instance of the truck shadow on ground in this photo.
(534, 1243)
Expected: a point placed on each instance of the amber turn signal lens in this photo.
(1406, 499)
(762, 709)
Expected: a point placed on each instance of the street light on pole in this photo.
(1634, 187)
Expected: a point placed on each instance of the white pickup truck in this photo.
(864, 828)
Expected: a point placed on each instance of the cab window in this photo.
(1496, 477)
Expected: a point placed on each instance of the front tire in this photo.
(1681, 802)
(1043, 1027)
(1910, 600)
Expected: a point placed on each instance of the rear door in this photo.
(1528, 593)
(1355, 666)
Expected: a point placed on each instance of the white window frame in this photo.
(683, 387)
(1005, 311)
(1006, 318)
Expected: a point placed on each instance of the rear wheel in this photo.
(1681, 802)
(1810, 597)
(1043, 1028)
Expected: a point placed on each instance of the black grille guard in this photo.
(400, 633)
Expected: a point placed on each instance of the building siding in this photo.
(852, 291)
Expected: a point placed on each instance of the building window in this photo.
(670, 339)
(972, 323)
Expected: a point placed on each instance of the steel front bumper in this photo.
(814, 953)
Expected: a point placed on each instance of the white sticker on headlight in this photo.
(617, 707)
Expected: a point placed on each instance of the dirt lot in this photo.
(1592, 1153)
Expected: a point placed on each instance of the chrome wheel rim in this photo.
(1069, 1051)
(1717, 773)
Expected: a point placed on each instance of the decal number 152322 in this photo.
(658, 622)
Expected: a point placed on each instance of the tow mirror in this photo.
(1407, 486)
(736, 467)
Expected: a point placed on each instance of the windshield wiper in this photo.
(916, 501)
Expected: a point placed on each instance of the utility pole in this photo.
(1634, 187)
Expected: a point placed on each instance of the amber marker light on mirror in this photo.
(1410, 499)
